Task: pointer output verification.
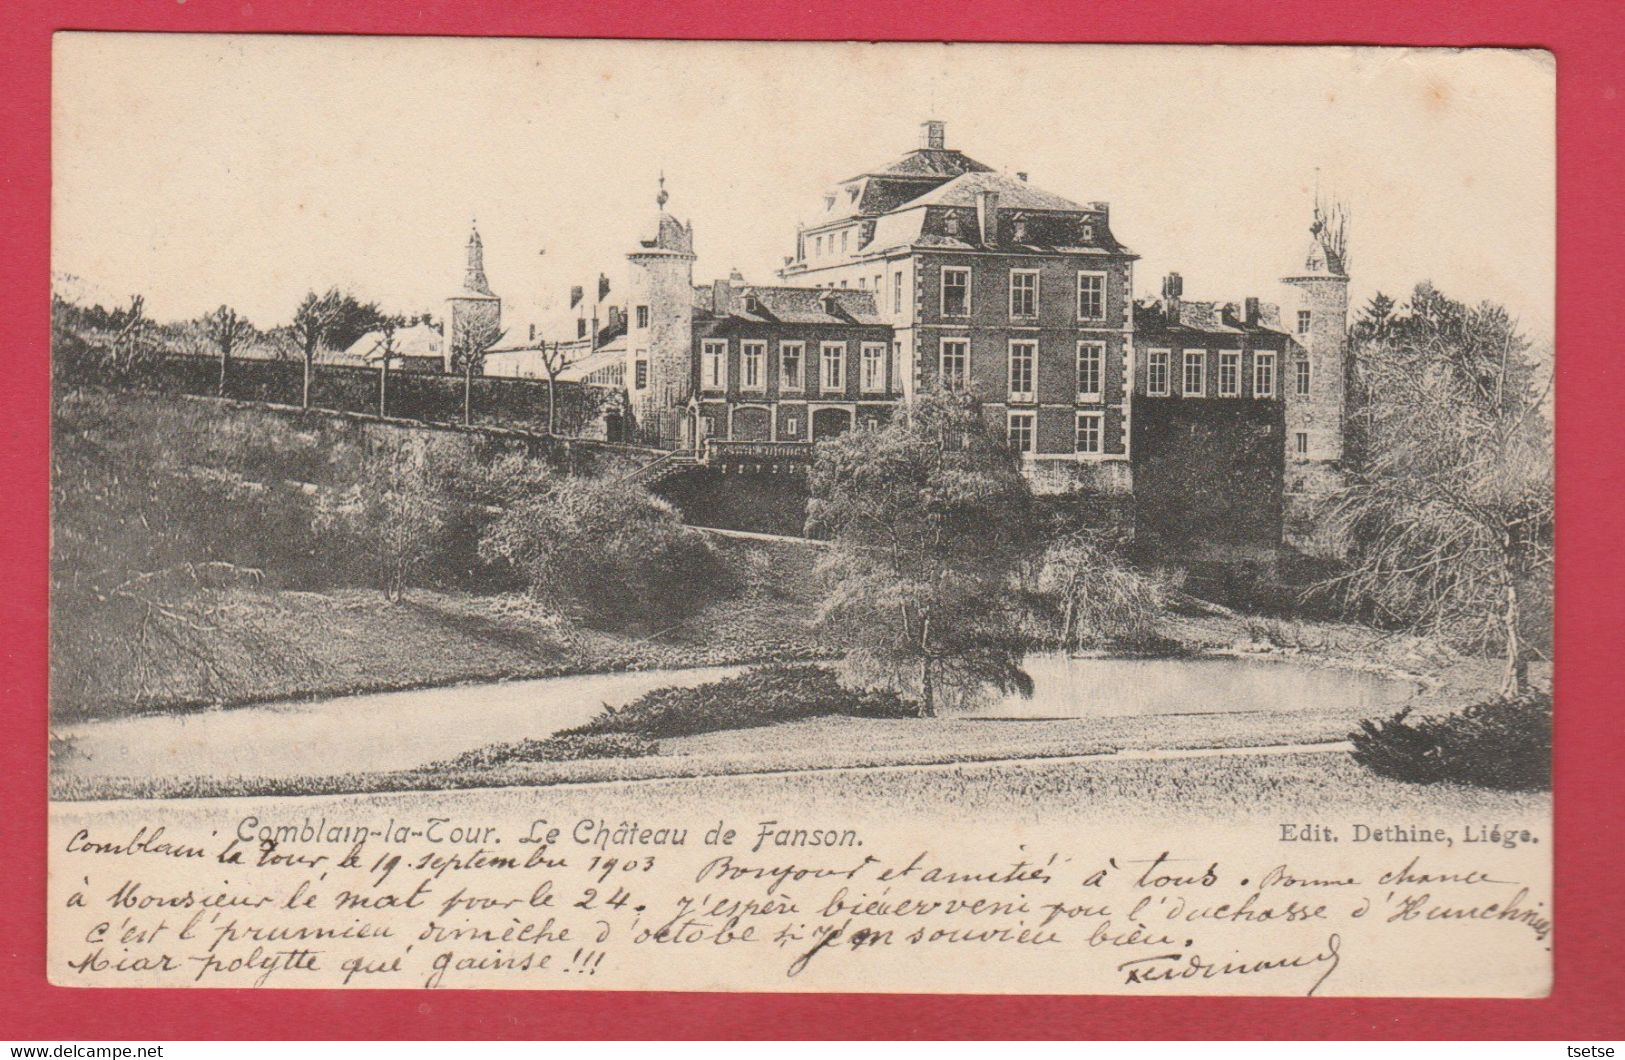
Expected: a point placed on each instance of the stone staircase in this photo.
(658, 470)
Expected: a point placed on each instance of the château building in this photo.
(1214, 428)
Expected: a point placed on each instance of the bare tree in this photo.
(469, 342)
(1448, 507)
(386, 350)
(554, 362)
(226, 329)
(313, 319)
(130, 341)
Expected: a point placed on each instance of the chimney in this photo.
(1172, 287)
(987, 215)
(533, 333)
(721, 297)
(933, 135)
(1251, 311)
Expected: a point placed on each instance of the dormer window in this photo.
(852, 193)
(950, 224)
(1088, 233)
(829, 201)
(1021, 229)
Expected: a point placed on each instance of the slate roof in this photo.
(793, 305)
(1013, 194)
(931, 162)
(1223, 319)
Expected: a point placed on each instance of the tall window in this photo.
(873, 370)
(956, 292)
(1156, 373)
(1091, 367)
(1020, 427)
(955, 368)
(1023, 292)
(1264, 374)
(1229, 373)
(713, 364)
(640, 372)
(818, 246)
(844, 233)
(643, 316)
(1023, 361)
(1091, 296)
(897, 291)
(1089, 432)
(753, 365)
(1303, 322)
(790, 354)
(1302, 370)
(833, 359)
(878, 279)
(1300, 443)
(1195, 379)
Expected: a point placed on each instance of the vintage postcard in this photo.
(801, 517)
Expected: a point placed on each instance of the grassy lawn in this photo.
(1242, 787)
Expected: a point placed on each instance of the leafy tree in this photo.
(1448, 505)
(1101, 599)
(927, 518)
(352, 319)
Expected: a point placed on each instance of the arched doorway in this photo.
(828, 423)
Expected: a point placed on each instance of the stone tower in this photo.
(660, 327)
(473, 314)
(1314, 380)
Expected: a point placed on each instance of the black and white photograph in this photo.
(903, 518)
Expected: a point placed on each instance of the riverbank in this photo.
(274, 646)
(271, 646)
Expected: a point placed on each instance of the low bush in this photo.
(561, 747)
(610, 553)
(765, 695)
(1504, 744)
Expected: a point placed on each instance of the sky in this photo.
(200, 170)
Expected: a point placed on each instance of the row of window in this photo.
(1023, 294)
(1193, 374)
(753, 368)
(953, 367)
(819, 244)
(1089, 432)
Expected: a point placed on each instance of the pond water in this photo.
(1067, 687)
(404, 730)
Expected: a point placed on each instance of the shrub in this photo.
(612, 553)
(764, 695)
(1504, 743)
(561, 747)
